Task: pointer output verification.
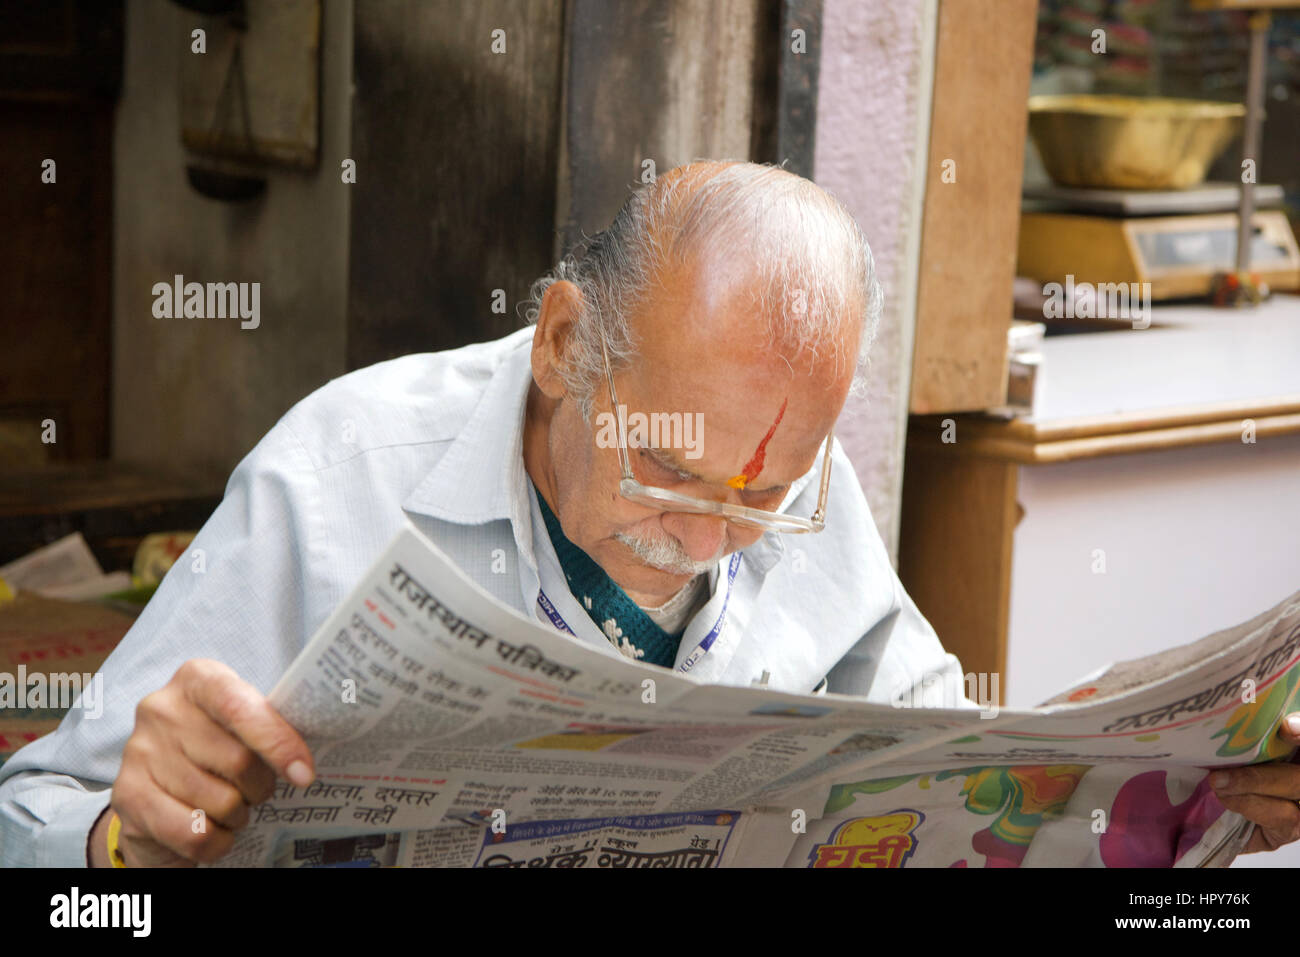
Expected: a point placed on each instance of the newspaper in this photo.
(69, 561)
(449, 730)
(64, 569)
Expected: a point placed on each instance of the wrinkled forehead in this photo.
(739, 388)
(703, 349)
(713, 325)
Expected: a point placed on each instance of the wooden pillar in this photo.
(477, 168)
(650, 81)
(983, 61)
(959, 516)
(455, 134)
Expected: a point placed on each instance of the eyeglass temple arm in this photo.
(819, 516)
(623, 460)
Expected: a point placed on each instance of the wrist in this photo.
(97, 840)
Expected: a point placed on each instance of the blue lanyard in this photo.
(691, 660)
(707, 641)
(556, 619)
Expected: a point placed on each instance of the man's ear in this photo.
(561, 307)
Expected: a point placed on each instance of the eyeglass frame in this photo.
(743, 515)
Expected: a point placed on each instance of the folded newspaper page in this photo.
(450, 731)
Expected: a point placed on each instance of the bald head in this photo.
(793, 263)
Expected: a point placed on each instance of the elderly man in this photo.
(734, 298)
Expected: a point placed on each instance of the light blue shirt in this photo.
(436, 440)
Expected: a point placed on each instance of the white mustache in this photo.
(667, 554)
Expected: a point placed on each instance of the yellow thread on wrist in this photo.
(114, 832)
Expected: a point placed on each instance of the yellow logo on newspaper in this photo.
(583, 737)
(884, 841)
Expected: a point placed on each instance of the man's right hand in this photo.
(207, 741)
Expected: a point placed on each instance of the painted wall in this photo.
(873, 101)
(196, 395)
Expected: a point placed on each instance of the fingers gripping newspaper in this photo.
(450, 731)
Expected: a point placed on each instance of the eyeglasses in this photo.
(667, 500)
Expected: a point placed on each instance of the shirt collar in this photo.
(481, 477)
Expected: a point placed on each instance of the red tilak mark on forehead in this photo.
(755, 464)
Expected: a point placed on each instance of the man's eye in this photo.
(764, 498)
(661, 472)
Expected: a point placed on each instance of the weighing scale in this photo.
(1215, 239)
(1177, 240)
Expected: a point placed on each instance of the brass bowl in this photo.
(1130, 142)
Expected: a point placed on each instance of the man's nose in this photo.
(702, 536)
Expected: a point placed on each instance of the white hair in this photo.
(813, 264)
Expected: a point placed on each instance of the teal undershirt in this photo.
(621, 620)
